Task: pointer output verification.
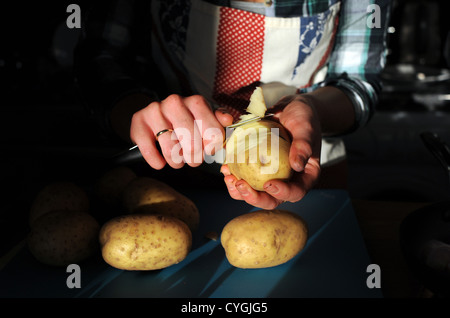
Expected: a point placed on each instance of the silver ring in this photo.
(162, 132)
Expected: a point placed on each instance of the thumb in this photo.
(299, 154)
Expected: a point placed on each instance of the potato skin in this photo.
(144, 241)
(146, 195)
(60, 238)
(62, 195)
(268, 165)
(264, 238)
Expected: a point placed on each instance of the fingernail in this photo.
(223, 110)
(229, 181)
(271, 188)
(299, 164)
(222, 171)
(242, 189)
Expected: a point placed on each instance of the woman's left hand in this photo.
(302, 122)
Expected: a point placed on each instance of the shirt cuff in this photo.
(362, 94)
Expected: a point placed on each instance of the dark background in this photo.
(42, 107)
(47, 134)
(36, 72)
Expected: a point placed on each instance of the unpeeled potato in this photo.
(148, 195)
(59, 196)
(144, 241)
(263, 238)
(61, 237)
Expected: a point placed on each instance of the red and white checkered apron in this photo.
(228, 52)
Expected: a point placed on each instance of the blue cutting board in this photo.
(332, 264)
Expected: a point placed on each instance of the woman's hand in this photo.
(191, 128)
(301, 120)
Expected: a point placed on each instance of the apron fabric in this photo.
(224, 53)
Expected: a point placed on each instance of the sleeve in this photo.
(112, 58)
(359, 55)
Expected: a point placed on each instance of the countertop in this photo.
(28, 167)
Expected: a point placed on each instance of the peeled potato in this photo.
(144, 242)
(110, 186)
(264, 238)
(60, 238)
(257, 105)
(148, 195)
(59, 196)
(259, 151)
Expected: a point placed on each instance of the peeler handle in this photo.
(128, 156)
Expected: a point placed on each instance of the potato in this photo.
(59, 196)
(148, 195)
(263, 238)
(257, 105)
(144, 241)
(256, 155)
(110, 186)
(60, 238)
(258, 151)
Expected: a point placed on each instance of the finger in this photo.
(224, 118)
(142, 135)
(187, 133)
(283, 191)
(297, 189)
(256, 198)
(299, 154)
(168, 142)
(302, 143)
(225, 170)
(230, 182)
(312, 173)
(211, 130)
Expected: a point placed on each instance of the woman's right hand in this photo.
(193, 130)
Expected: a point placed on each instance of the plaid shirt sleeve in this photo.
(113, 56)
(359, 55)
(359, 52)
